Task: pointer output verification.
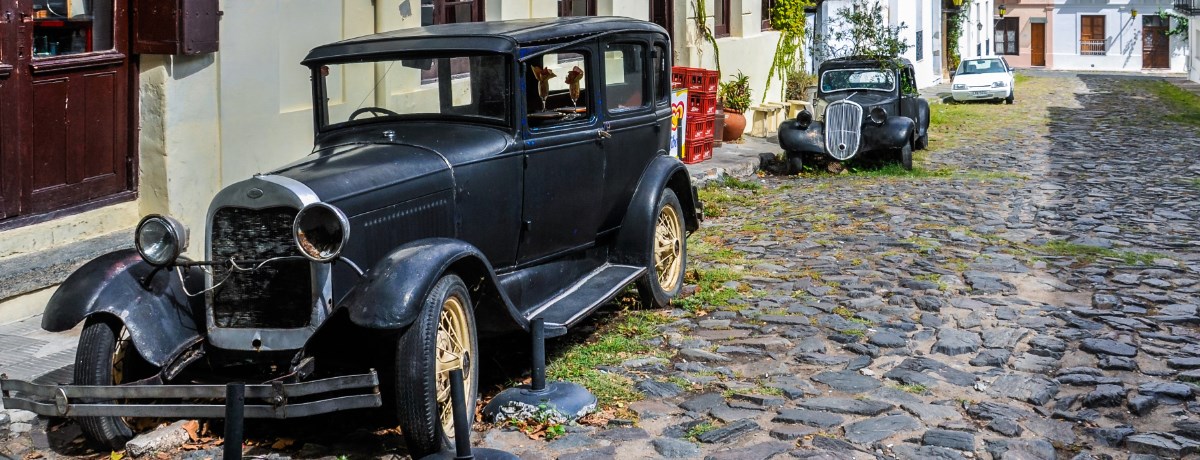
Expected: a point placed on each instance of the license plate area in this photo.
(979, 93)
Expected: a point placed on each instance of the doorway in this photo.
(661, 13)
(1037, 44)
(1156, 45)
(66, 106)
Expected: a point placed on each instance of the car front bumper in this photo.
(272, 400)
(979, 94)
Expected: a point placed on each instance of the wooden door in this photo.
(1037, 44)
(65, 127)
(661, 13)
(1156, 45)
(10, 187)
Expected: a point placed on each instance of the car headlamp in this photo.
(321, 231)
(959, 86)
(878, 115)
(804, 118)
(160, 239)
(998, 84)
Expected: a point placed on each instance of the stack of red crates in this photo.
(701, 110)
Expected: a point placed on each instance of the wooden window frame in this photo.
(721, 18)
(564, 8)
(767, 5)
(1087, 38)
(1003, 27)
(440, 7)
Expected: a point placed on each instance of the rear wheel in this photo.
(795, 163)
(668, 257)
(106, 356)
(442, 339)
(923, 141)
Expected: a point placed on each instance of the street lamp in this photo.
(1132, 14)
(1004, 11)
(979, 26)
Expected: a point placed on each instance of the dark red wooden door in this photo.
(67, 127)
(10, 187)
(1156, 45)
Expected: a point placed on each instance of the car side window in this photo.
(908, 84)
(662, 75)
(557, 89)
(624, 76)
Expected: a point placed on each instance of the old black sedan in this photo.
(862, 107)
(467, 179)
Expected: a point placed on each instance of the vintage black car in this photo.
(862, 107)
(467, 179)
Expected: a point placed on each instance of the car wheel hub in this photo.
(668, 247)
(453, 352)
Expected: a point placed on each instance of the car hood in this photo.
(358, 178)
(979, 79)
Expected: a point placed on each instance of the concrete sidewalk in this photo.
(737, 160)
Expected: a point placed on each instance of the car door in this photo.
(630, 119)
(564, 158)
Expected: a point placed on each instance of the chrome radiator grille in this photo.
(843, 123)
(278, 295)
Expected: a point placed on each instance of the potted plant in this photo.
(735, 94)
(800, 86)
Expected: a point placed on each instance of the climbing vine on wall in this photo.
(954, 34)
(787, 16)
(705, 32)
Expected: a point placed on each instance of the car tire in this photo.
(444, 333)
(795, 163)
(106, 356)
(923, 141)
(1009, 99)
(906, 156)
(667, 260)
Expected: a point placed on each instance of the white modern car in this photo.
(983, 79)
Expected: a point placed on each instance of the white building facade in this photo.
(1122, 35)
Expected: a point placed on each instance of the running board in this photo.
(576, 302)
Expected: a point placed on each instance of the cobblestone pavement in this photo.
(1031, 298)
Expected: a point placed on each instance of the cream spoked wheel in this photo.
(453, 352)
(668, 248)
(441, 340)
(666, 254)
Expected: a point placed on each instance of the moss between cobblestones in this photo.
(1184, 105)
(1087, 254)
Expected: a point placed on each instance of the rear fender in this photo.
(391, 293)
(663, 172)
(150, 301)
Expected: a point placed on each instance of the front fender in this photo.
(892, 134)
(795, 139)
(392, 292)
(664, 171)
(150, 301)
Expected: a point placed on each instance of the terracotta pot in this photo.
(735, 125)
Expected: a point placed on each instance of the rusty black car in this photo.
(467, 179)
(863, 107)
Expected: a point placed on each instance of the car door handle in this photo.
(603, 134)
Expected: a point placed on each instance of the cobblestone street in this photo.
(1029, 292)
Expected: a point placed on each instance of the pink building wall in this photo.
(1026, 11)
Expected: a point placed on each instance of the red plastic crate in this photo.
(700, 128)
(698, 151)
(695, 79)
(679, 77)
(702, 103)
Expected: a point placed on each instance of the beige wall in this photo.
(748, 48)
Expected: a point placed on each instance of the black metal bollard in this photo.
(235, 420)
(462, 426)
(538, 371)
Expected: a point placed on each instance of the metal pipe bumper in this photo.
(78, 400)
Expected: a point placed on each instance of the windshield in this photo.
(857, 79)
(975, 66)
(470, 87)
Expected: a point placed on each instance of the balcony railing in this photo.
(1188, 7)
(1092, 48)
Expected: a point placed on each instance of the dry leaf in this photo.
(192, 426)
(35, 455)
(283, 443)
(163, 456)
(113, 456)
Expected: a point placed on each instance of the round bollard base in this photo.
(569, 400)
(478, 453)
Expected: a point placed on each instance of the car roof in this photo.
(490, 36)
(858, 61)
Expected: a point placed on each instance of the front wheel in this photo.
(795, 163)
(668, 257)
(442, 339)
(906, 156)
(1010, 98)
(106, 356)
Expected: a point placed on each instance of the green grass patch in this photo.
(953, 125)
(1194, 182)
(1087, 254)
(718, 200)
(898, 171)
(853, 332)
(915, 388)
(709, 290)
(753, 227)
(932, 278)
(701, 249)
(1185, 106)
(622, 338)
(699, 429)
(739, 184)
